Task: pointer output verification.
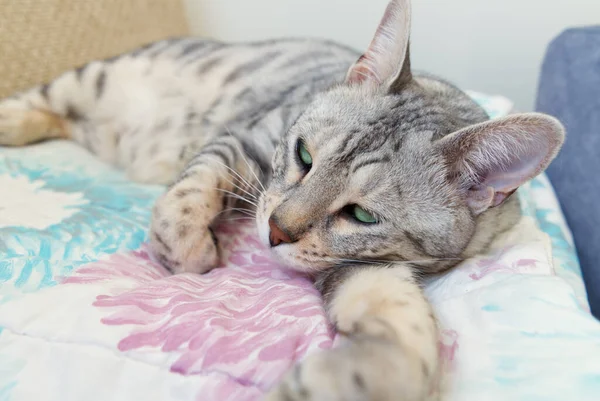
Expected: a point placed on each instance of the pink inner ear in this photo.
(385, 57)
(495, 157)
(508, 175)
(361, 72)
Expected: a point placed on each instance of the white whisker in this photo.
(237, 196)
(246, 161)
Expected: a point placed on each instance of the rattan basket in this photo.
(39, 39)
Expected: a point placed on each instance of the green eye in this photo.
(304, 155)
(362, 215)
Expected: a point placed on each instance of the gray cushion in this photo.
(569, 89)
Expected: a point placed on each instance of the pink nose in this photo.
(277, 235)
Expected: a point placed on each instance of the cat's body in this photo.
(378, 175)
(150, 111)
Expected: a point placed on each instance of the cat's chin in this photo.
(288, 259)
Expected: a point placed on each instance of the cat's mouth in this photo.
(292, 255)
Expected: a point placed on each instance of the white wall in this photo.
(494, 46)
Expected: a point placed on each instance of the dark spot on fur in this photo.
(224, 202)
(79, 71)
(285, 393)
(417, 328)
(206, 205)
(164, 224)
(398, 142)
(118, 136)
(44, 91)
(183, 230)
(186, 210)
(100, 83)
(215, 240)
(358, 380)
(185, 192)
(300, 388)
(163, 125)
(314, 253)
(304, 252)
(424, 368)
(314, 246)
(73, 114)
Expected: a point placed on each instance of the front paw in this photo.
(180, 234)
(362, 370)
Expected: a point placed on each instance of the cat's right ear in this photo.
(490, 160)
(386, 62)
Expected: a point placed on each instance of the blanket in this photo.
(85, 313)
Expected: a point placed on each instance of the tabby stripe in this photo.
(192, 47)
(209, 65)
(248, 68)
(162, 47)
(208, 49)
(213, 152)
(306, 58)
(364, 163)
(225, 145)
(417, 242)
(142, 49)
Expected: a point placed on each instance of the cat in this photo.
(379, 175)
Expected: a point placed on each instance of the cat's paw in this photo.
(361, 370)
(180, 234)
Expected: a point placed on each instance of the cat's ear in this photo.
(492, 159)
(386, 62)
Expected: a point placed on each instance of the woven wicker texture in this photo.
(39, 39)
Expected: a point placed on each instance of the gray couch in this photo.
(569, 89)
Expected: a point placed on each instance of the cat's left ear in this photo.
(490, 160)
(386, 62)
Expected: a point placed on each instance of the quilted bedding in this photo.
(86, 314)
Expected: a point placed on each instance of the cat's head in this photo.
(389, 166)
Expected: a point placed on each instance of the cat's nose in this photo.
(277, 235)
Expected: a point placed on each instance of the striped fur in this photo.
(220, 122)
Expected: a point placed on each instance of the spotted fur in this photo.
(220, 122)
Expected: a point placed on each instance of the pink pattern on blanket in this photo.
(243, 325)
(498, 263)
(238, 329)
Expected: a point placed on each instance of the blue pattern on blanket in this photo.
(83, 217)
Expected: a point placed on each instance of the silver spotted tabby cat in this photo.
(378, 176)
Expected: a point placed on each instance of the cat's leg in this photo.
(390, 346)
(28, 118)
(115, 111)
(216, 179)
